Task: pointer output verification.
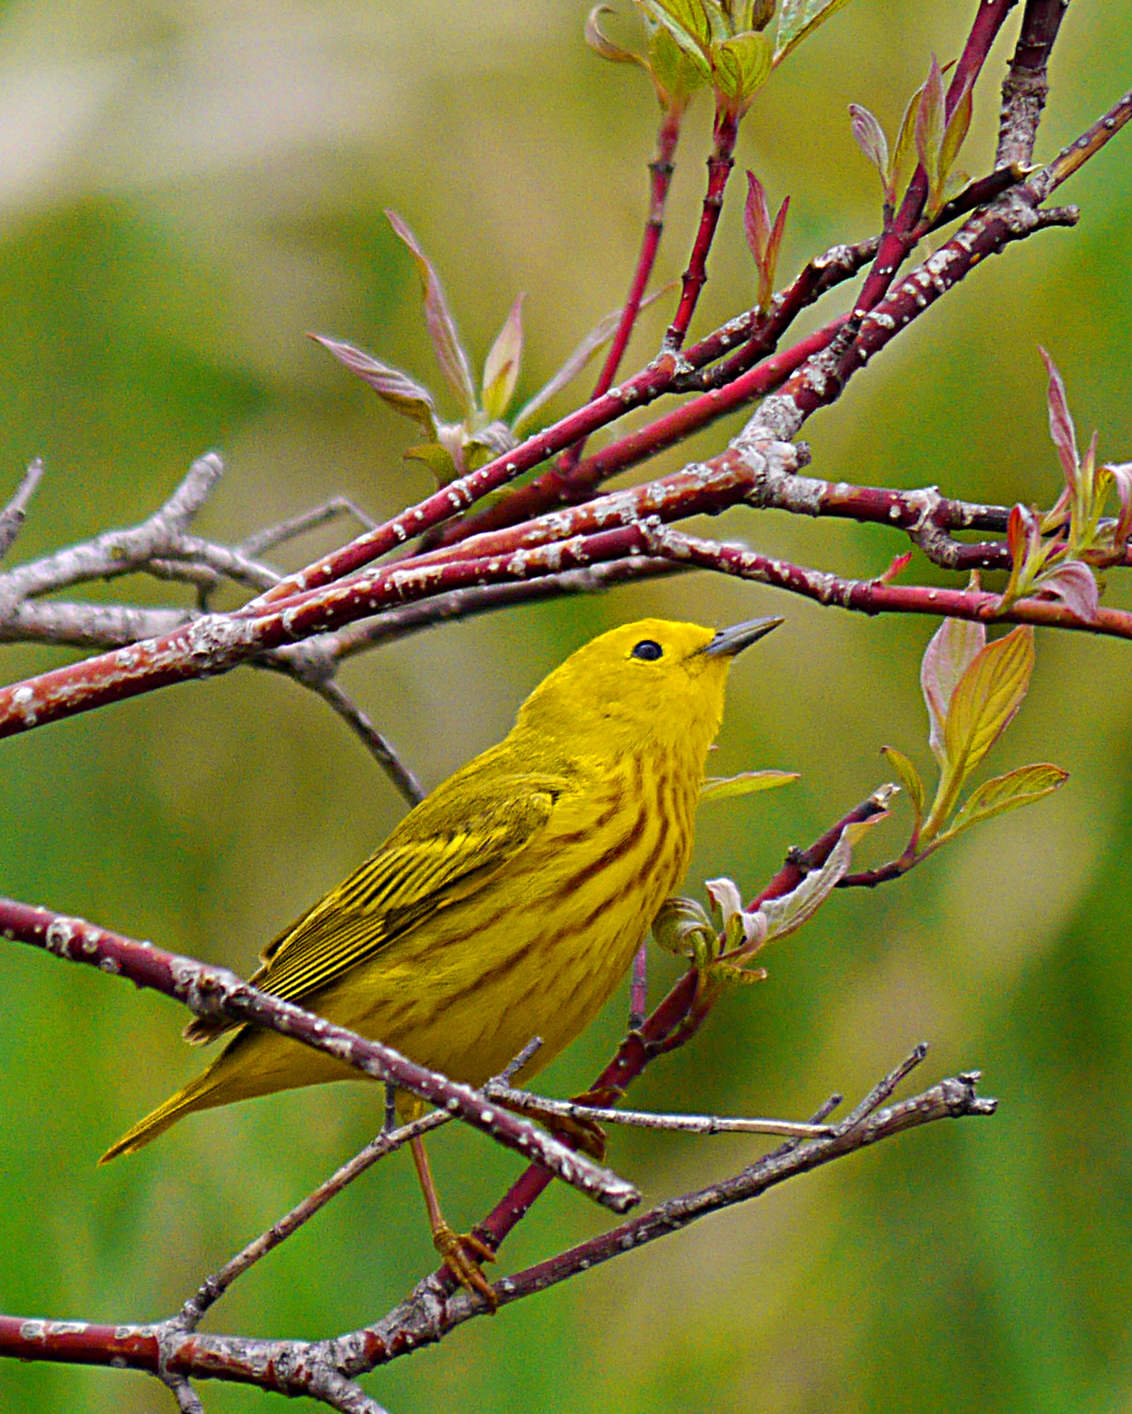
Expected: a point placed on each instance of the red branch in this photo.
(871, 596)
(903, 233)
(660, 178)
(759, 335)
(719, 166)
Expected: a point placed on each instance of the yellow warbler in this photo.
(510, 902)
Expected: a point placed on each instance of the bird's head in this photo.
(653, 680)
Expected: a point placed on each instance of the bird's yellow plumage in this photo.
(510, 902)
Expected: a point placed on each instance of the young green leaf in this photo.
(446, 343)
(437, 458)
(685, 20)
(746, 783)
(742, 65)
(955, 133)
(1020, 787)
(676, 73)
(952, 649)
(904, 155)
(501, 370)
(910, 778)
(986, 698)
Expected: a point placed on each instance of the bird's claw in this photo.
(462, 1254)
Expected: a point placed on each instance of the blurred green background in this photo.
(184, 190)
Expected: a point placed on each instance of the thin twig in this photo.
(390, 1139)
(420, 1319)
(214, 1287)
(660, 179)
(272, 535)
(647, 1119)
(345, 1396)
(873, 596)
(639, 987)
(312, 670)
(13, 514)
(725, 132)
(116, 552)
(882, 1090)
(188, 1401)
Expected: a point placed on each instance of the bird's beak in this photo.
(730, 641)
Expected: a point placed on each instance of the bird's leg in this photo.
(462, 1252)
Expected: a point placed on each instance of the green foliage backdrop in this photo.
(184, 190)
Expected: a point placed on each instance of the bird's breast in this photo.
(540, 948)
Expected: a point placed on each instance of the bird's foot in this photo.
(462, 1254)
(587, 1134)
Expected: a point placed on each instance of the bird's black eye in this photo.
(648, 650)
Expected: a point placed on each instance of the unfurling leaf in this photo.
(871, 140)
(786, 915)
(684, 929)
(742, 65)
(1020, 787)
(501, 370)
(605, 47)
(986, 698)
(952, 649)
(437, 458)
(741, 930)
(1073, 582)
(1120, 476)
(446, 343)
(912, 783)
(930, 127)
(676, 73)
(954, 135)
(764, 239)
(904, 155)
(746, 783)
(491, 440)
(745, 931)
(895, 569)
(396, 388)
(1061, 427)
(1029, 554)
(685, 20)
(756, 218)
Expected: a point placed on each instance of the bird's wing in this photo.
(436, 856)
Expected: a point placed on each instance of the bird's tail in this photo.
(199, 1094)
